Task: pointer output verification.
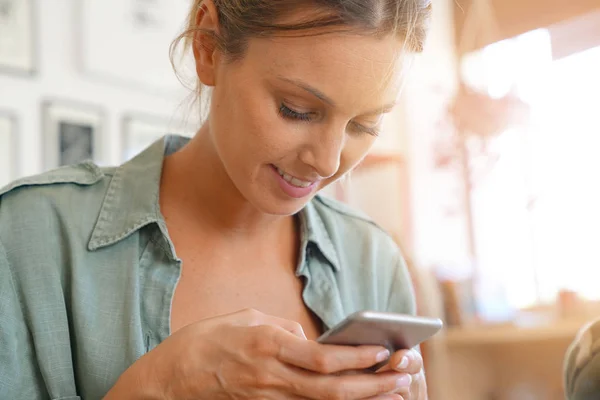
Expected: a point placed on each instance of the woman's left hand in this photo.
(411, 363)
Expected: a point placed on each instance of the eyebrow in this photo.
(315, 92)
(322, 96)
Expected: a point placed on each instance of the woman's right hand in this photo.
(250, 355)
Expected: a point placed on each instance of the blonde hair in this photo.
(240, 20)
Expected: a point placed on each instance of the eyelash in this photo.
(288, 113)
(364, 129)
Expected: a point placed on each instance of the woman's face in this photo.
(295, 114)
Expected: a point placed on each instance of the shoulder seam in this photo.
(49, 178)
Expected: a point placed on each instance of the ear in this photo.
(204, 43)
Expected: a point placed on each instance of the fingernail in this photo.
(404, 381)
(382, 355)
(403, 363)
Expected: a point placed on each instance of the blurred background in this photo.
(484, 174)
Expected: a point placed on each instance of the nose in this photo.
(324, 151)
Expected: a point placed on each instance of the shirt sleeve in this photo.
(19, 376)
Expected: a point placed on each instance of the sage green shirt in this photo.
(87, 273)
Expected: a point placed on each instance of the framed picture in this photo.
(72, 133)
(140, 131)
(17, 36)
(8, 148)
(135, 50)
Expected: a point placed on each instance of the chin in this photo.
(281, 207)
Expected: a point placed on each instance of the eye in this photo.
(288, 113)
(358, 128)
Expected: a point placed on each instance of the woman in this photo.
(199, 269)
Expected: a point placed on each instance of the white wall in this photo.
(61, 77)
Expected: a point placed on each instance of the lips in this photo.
(293, 180)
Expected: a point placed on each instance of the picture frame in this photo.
(141, 130)
(134, 52)
(8, 147)
(18, 41)
(72, 133)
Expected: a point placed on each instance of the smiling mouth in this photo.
(292, 180)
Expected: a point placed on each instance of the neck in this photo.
(195, 186)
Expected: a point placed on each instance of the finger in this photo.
(418, 388)
(252, 317)
(353, 387)
(290, 326)
(407, 361)
(391, 396)
(328, 359)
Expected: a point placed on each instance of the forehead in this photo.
(351, 69)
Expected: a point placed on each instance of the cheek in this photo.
(354, 151)
(250, 131)
(268, 135)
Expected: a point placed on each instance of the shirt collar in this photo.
(131, 202)
(313, 230)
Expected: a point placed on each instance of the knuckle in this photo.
(417, 356)
(297, 326)
(323, 363)
(337, 392)
(263, 379)
(252, 314)
(264, 341)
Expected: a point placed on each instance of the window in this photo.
(537, 211)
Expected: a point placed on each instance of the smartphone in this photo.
(390, 330)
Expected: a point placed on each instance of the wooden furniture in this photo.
(515, 17)
(506, 362)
